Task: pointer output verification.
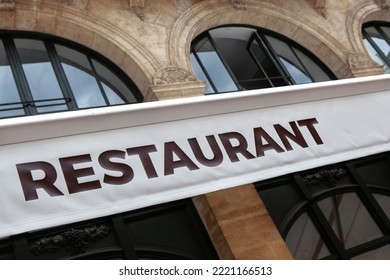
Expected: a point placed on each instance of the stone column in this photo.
(239, 225)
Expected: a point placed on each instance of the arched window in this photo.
(43, 74)
(376, 38)
(335, 212)
(243, 58)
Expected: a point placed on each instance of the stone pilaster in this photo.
(240, 226)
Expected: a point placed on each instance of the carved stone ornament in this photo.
(172, 75)
(81, 4)
(138, 7)
(320, 7)
(7, 5)
(328, 177)
(239, 4)
(359, 60)
(384, 4)
(74, 240)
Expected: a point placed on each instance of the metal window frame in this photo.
(259, 36)
(310, 205)
(28, 103)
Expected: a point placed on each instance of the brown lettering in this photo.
(309, 123)
(217, 153)
(232, 151)
(297, 136)
(260, 134)
(126, 170)
(171, 148)
(30, 186)
(71, 174)
(143, 153)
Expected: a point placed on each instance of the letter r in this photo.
(30, 186)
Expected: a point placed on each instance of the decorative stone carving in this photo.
(82, 4)
(138, 7)
(320, 7)
(328, 177)
(74, 240)
(384, 4)
(172, 75)
(239, 4)
(7, 5)
(359, 60)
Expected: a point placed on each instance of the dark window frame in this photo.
(260, 36)
(28, 104)
(378, 27)
(121, 243)
(309, 203)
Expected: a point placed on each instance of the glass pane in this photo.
(297, 75)
(8, 91)
(350, 220)
(290, 61)
(263, 69)
(40, 76)
(381, 43)
(382, 253)
(80, 77)
(375, 172)
(384, 202)
(200, 74)
(304, 241)
(113, 86)
(386, 30)
(315, 71)
(378, 40)
(232, 44)
(215, 68)
(373, 53)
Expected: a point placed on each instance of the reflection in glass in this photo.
(244, 58)
(112, 85)
(377, 45)
(200, 74)
(8, 91)
(40, 75)
(350, 220)
(297, 75)
(80, 77)
(384, 202)
(304, 241)
(382, 253)
(215, 68)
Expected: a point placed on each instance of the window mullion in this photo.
(302, 64)
(19, 76)
(256, 38)
(320, 221)
(124, 236)
(376, 48)
(370, 202)
(232, 76)
(98, 81)
(273, 57)
(61, 76)
(204, 71)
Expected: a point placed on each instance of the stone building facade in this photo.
(151, 42)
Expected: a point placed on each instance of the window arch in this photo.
(376, 39)
(334, 212)
(236, 58)
(45, 74)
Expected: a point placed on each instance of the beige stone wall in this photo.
(150, 40)
(147, 37)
